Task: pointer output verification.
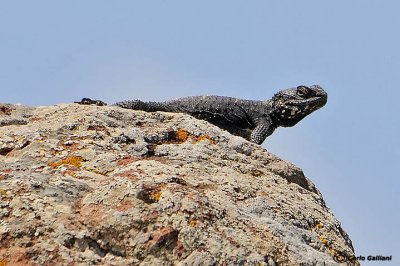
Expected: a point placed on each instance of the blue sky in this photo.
(156, 50)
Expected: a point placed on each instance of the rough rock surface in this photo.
(89, 185)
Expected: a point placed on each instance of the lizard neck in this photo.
(273, 113)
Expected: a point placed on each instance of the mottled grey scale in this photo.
(253, 120)
(144, 106)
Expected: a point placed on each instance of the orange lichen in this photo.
(72, 160)
(203, 137)
(3, 262)
(182, 135)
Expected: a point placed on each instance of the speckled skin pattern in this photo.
(253, 120)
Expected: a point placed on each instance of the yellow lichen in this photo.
(319, 225)
(193, 223)
(332, 251)
(323, 240)
(3, 192)
(72, 160)
(263, 193)
(257, 173)
(156, 196)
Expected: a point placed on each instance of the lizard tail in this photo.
(143, 106)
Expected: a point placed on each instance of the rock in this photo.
(108, 186)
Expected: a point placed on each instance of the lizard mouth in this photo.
(311, 102)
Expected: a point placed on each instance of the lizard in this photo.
(254, 120)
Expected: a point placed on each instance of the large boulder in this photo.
(91, 185)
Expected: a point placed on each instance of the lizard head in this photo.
(292, 105)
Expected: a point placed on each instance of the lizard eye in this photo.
(302, 91)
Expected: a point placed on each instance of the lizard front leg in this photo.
(263, 129)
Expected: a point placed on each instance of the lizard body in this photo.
(252, 119)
